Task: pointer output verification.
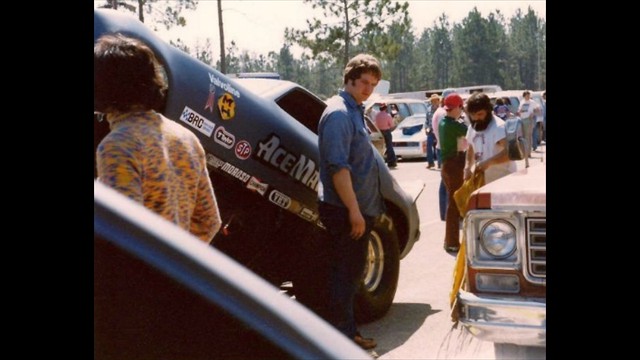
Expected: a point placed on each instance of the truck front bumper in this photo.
(514, 321)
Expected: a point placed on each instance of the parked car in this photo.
(406, 107)
(262, 151)
(161, 293)
(515, 96)
(410, 138)
(502, 297)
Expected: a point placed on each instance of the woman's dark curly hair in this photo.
(126, 73)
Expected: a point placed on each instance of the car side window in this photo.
(303, 107)
(404, 111)
(418, 108)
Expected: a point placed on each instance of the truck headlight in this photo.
(498, 238)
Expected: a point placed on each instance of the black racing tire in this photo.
(380, 278)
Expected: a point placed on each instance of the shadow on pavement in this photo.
(402, 321)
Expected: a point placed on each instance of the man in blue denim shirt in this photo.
(349, 191)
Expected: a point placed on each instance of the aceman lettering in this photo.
(300, 167)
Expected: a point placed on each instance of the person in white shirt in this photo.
(486, 141)
(526, 112)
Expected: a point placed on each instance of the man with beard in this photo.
(486, 139)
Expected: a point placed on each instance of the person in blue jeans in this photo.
(349, 194)
(428, 127)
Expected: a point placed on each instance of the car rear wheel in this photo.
(380, 278)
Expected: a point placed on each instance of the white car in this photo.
(410, 138)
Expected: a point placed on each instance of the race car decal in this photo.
(224, 138)
(224, 166)
(211, 99)
(197, 121)
(243, 150)
(300, 167)
(308, 214)
(280, 199)
(223, 85)
(255, 185)
(276, 197)
(227, 106)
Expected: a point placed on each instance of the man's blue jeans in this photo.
(431, 145)
(348, 258)
(388, 141)
(443, 200)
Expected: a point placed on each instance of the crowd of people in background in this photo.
(475, 144)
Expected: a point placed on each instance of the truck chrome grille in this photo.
(537, 247)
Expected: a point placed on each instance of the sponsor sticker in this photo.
(308, 214)
(280, 199)
(197, 121)
(235, 172)
(255, 185)
(211, 98)
(214, 161)
(224, 138)
(215, 81)
(243, 149)
(227, 106)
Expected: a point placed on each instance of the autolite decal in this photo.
(243, 150)
(224, 138)
(197, 121)
(280, 199)
(255, 185)
(300, 167)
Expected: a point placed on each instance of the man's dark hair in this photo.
(362, 64)
(477, 102)
(525, 93)
(126, 73)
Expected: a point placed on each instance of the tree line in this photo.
(478, 50)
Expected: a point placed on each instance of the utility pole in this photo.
(223, 65)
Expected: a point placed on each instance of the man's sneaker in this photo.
(365, 343)
(393, 165)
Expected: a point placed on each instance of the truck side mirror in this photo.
(516, 143)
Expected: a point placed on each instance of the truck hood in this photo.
(526, 188)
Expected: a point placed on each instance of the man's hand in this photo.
(482, 165)
(467, 173)
(357, 224)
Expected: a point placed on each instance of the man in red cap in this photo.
(453, 161)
